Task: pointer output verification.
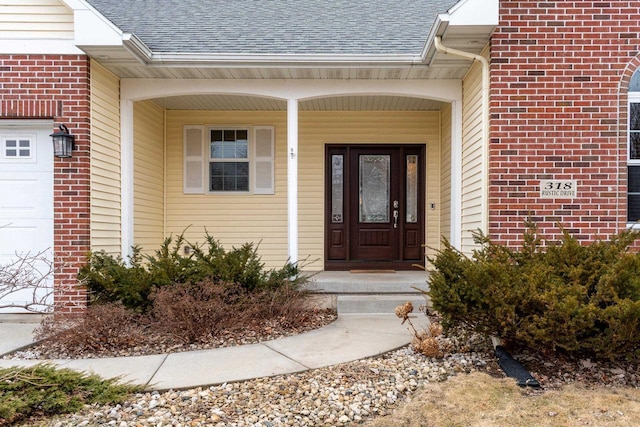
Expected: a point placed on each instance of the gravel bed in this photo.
(343, 394)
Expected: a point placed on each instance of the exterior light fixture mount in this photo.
(63, 142)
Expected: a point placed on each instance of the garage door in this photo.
(26, 205)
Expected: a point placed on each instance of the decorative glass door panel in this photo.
(374, 182)
(375, 206)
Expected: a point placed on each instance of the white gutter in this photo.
(146, 56)
(485, 123)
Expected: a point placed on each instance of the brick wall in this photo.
(560, 73)
(57, 87)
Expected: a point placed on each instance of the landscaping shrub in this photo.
(194, 312)
(110, 279)
(578, 298)
(104, 327)
(43, 390)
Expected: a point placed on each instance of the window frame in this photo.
(249, 159)
(633, 98)
(31, 158)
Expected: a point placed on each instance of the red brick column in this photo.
(58, 87)
(558, 111)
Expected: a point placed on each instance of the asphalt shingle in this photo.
(337, 27)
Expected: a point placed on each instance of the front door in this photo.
(375, 206)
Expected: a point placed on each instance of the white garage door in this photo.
(26, 204)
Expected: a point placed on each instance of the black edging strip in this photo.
(514, 369)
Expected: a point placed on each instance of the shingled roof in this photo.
(305, 27)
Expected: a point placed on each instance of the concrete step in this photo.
(368, 293)
(377, 304)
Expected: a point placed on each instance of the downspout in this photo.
(485, 121)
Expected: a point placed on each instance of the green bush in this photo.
(110, 279)
(578, 298)
(44, 390)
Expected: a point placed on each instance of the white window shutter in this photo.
(194, 160)
(263, 160)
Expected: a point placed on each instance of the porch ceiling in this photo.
(342, 103)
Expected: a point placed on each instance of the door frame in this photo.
(338, 252)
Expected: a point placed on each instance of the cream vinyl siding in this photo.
(472, 151)
(445, 184)
(319, 128)
(233, 219)
(105, 160)
(148, 175)
(35, 19)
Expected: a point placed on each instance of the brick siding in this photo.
(57, 87)
(559, 77)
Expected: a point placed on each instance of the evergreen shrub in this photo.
(583, 299)
(109, 278)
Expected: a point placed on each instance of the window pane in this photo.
(216, 150)
(374, 188)
(229, 135)
(25, 143)
(216, 135)
(216, 183)
(337, 188)
(11, 153)
(241, 149)
(634, 116)
(241, 135)
(412, 188)
(633, 177)
(229, 176)
(633, 207)
(11, 143)
(634, 85)
(634, 145)
(25, 153)
(228, 150)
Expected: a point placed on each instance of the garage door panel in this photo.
(26, 211)
(27, 197)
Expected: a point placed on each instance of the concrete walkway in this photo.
(350, 337)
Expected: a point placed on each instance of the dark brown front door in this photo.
(375, 200)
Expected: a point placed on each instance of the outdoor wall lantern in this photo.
(63, 142)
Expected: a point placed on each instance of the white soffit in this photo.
(335, 103)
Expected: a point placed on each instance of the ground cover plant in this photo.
(172, 301)
(43, 390)
(582, 299)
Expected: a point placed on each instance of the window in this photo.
(228, 160)
(17, 148)
(633, 159)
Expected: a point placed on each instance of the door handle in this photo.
(395, 213)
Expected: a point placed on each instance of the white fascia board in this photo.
(91, 28)
(475, 12)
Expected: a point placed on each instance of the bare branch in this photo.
(29, 279)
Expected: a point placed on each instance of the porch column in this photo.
(456, 175)
(292, 177)
(126, 177)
